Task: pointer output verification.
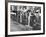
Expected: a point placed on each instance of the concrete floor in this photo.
(19, 27)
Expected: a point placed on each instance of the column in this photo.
(20, 17)
(29, 18)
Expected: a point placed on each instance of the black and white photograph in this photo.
(24, 18)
